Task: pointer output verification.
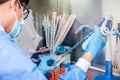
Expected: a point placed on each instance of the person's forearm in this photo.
(85, 61)
(87, 56)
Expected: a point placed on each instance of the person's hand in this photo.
(46, 65)
(96, 43)
(61, 49)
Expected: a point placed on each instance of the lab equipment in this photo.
(116, 32)
(65, 30)
(56, 74)
(45, 64)
(118, 51)
(47, 30)
(36, 55)
(108, 66)
(105, 22)
(60, 27)
(116, 55)
(43, 32)
(53, 31)
(56, 29)
(50, 27)
(105, 27)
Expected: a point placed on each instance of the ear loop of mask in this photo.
(22, 21)
(15, 14)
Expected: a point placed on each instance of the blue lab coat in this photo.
(74, 73)
(16, 65)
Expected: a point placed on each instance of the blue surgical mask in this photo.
(17, 28)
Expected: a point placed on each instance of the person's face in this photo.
(14, 13)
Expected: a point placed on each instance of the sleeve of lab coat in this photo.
(74, 74)
(14, 63)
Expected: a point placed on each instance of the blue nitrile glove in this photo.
(96, 43)
(45, 65)
(62, 49)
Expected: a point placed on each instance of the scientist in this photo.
(16, 65)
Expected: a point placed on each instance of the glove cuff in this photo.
(83, 64)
